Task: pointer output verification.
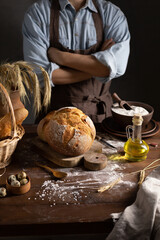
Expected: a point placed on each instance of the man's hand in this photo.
(86, 64)
(107, 44)
(57, 56)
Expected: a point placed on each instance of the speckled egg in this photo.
(15, 183)
(24, 181)
(3, 192)
(11, 178)
(21, 175)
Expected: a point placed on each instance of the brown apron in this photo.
(91, 96)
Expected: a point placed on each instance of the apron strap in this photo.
(99, 101)
(54, 23)
(98, 23)
(89, 98)
(54, 29)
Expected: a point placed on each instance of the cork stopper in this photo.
(137, 119)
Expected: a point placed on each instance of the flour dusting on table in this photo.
(75, 188)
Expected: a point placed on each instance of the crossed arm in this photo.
(76, 67)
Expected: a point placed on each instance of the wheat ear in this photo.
(141, 178)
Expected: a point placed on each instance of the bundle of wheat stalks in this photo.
(21, 75)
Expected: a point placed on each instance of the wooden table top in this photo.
(67, 206)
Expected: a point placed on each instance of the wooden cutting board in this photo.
(61, 160)
(95, 161)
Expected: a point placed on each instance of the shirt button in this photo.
(76, 34)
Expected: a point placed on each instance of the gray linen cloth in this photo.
(141, 220)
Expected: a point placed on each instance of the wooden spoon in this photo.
(57, 174)
(122, 103)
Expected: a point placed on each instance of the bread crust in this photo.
(42, 125)
(5, 121)
(68, 131)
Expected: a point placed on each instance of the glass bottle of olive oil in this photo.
(135, 148)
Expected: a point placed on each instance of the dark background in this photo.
(140, 82)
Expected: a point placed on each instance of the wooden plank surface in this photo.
(74, 200)
(61, 160)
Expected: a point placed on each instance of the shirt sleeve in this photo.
(116, 57)
(36, 40)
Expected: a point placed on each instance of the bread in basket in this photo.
(8, 141)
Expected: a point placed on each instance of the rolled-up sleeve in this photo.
(35, 31)
(116, 57)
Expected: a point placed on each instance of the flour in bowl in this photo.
(134, 110)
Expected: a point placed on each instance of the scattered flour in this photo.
(75, 188)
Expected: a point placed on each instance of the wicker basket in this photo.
(8, 146)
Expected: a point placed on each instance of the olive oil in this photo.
(135, 148)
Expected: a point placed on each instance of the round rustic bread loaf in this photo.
(68, 131)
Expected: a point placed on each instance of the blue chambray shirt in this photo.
(76, 31)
